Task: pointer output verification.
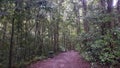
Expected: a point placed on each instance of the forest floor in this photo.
(70, 59)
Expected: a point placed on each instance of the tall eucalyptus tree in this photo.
(84, 6)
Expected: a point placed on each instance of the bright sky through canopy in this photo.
(114, 2)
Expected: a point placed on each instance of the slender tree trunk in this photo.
(77, 14)
(85, 23)
(110, 8)
(35, 39)
(118, 11)
(103, 8)
(11, 45)
(118, 6)
(110, 24)
(41, 38)
(51, 31)
(56, 36)
(110, 5)
(4, 33)
(56, 29)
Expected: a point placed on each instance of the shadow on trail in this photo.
(70, 59)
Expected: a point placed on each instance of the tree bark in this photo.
(85, 23)
(118, 6)
(77, 14)
(11, 45)
(4, 33)
(118, 11)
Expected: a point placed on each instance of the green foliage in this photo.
(101, 48)
(104, 49)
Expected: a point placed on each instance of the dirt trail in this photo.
(70, 59)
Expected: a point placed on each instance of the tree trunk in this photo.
(118, 6)
(118, 11)
(77, 14)
(11, 45)
(56, 28)
(85, 23)
(103, 8)
(110, 24)
(56, 36)
(4, 33)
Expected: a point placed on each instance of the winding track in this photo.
(70, 59)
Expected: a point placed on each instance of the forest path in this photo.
(70, 59)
